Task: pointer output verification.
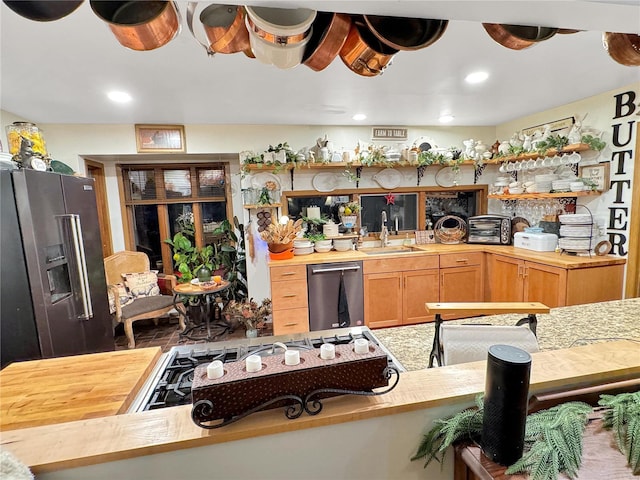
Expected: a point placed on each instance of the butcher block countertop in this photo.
(106, 439)
(548, 258)
(65, 389)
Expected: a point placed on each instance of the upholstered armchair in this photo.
(134, 293)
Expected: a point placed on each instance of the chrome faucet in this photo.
(384, 233)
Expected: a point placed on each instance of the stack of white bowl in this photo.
(544, 182)
(302, 246)
(561, 185)
(323, 246)
(342, 244)
(515, 188)
(577, 232)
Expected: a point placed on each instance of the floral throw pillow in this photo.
(123, 297)
(143, 284)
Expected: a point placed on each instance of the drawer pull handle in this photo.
(290, 295)
(290, 324)
(286, 274)
(465, 260)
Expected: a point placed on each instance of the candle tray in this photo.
(298, 388)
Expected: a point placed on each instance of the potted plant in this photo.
(250, 314)
(189, 259)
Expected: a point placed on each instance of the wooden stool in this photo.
(477, 309)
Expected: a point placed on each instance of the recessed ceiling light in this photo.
(476, 77)
(119, 97)
(445, 118)
(359, 117)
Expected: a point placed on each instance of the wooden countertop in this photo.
(59, 390)
(98, 440)
(547, 258)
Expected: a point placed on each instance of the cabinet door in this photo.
(461, 284)
(505, 275)
(545, 284)
(383, 299)
(419, 287)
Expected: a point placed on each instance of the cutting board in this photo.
(65, 389)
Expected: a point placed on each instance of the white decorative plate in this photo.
(446, 177)
(260, 179)
(388, 178)
(325, 181)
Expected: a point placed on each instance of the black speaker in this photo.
(505, 403)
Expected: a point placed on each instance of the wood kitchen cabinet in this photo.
(516, 280)
(396, 289)
(289, 299)
(461, 278)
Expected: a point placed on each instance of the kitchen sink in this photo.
(389, 252)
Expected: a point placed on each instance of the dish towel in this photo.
(343, 305)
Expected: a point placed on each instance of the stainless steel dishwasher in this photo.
(325, 300)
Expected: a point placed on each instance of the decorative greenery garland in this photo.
(553, 437)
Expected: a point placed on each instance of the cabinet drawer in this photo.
(400, 264)
(295, 320)
(462, 259)
(286, 295)
(293, 272)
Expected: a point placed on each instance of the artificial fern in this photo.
(466, 425)
(623, 417)
(553, 442)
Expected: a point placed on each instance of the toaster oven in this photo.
(490, 230)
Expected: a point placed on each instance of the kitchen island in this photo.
(353, 437)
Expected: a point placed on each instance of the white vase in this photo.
(252, 333)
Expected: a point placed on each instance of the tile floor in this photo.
(165, 335)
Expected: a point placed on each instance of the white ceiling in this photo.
(59, 72)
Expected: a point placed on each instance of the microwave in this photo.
(490, 230)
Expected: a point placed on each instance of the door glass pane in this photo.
(181, 220)
(177, 183)
(213, 213)
(147, 233)
(211, 182)
(140, 184)
(404, 208)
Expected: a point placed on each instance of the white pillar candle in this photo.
(313, 212)
(292, 357)
(254, 363)
(362, 345)
(215, 370)
(327, 351)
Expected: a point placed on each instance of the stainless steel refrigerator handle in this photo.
(78, 246)
(338, 269)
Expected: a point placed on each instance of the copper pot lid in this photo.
(402, 33)
(624, 48)
(518, 37)
(329, 33)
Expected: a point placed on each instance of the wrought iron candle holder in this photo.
(298, 388)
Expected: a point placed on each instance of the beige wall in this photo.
(71, 143)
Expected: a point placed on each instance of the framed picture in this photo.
(160, 139)
(598, 174)
(562, 125)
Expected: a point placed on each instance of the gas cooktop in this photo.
(169, 384)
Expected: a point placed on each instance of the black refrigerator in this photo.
(53, 292)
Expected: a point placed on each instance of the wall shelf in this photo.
(257, 207)
(524, 196)
(575, 147)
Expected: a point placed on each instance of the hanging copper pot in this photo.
(43, 11)
(329, 33)
(624, 48)
(225, 29)
(139, 25)
(518, 37)
(404, 33)
(363, 53)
